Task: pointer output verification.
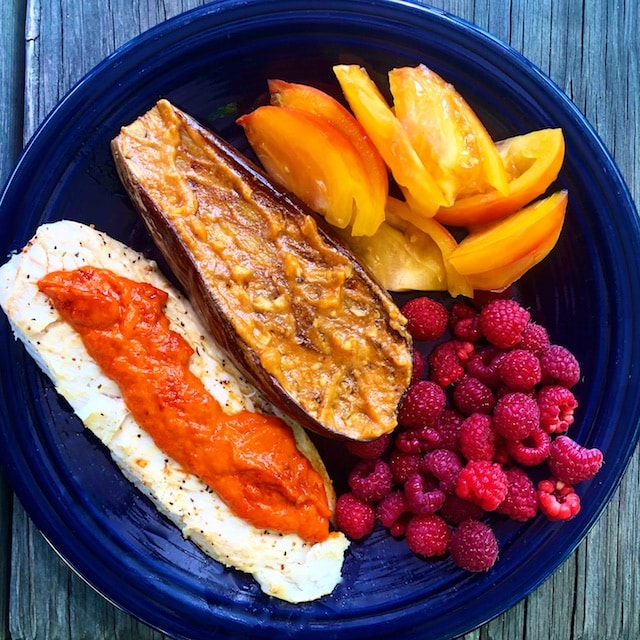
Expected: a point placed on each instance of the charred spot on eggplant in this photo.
(279, 291)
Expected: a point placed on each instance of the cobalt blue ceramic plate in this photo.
(214, 63)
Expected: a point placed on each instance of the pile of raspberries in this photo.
(487, 410)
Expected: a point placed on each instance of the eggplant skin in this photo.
(284, 297)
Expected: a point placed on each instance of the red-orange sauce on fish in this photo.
(249, 459)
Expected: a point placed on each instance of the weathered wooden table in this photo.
(588, 47)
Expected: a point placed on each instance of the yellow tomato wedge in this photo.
(498, 254)
(311, 158)
(457, 284)
(532, 162)
(446, 133)
(315, 101)
(400, 256)
(387, 133)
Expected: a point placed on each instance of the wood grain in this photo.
(12, 83)
(589, 48)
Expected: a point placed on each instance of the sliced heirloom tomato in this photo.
(400, 256)
(313, 100)
(496, 255)
(446, 133)
(532, 162)
(457, 283)
(387, 133)
(311, 158)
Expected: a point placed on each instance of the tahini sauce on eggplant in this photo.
(280, 293)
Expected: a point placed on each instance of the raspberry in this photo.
(557, 500)
(468, 329)
(521, 503)
(422, 497)
(408, 442)
(428, 535)
(449, 429)
(370, 450)
(535, 338)
(519, 370)
(403, 465)
(422, 405)
(515, 415)
(446, 361)
(559, 366)
(483, 298)
(461, 311)
(429, 438)
(354, 517)
(556, 405)
(418, 440)
(464, 322)
(426, 318)
(502, 322)
(456, 510)
(477, 438)
(532, 450)
(370, 480)
(572, 463)
(473, 546)
(483, 365)
(470, 395)
(445, 466)
(398, 528)
(391, 508)
(419, 364)
(502, 455)
(482, 482)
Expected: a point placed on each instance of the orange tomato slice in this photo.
(532, 162)
(315, 101)
(387, 133)
(446, 133)
(498, 254)
(311, 158)
(457, 284)
(400, 256)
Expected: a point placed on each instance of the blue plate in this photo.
(214, 63)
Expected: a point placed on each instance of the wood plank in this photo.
(12, 14)
(594, 594)
(6, 504)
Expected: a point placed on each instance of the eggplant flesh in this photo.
(289, 303)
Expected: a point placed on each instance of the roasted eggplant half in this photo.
(290, 304)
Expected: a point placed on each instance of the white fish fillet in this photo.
(285, 566)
